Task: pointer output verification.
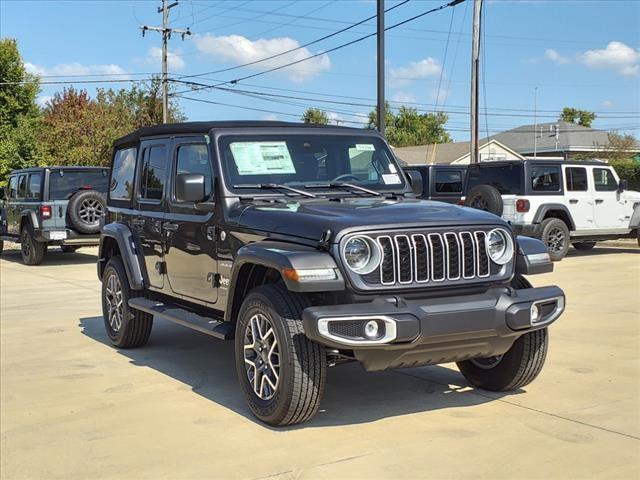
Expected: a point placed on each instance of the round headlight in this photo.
(361, 255)
(499, 246)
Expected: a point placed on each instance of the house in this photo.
(455, 153)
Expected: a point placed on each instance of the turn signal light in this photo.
(45, 211)
(522, 205)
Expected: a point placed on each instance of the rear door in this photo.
(190, 249)
(609, 207)
(147, 221)
(579, 197)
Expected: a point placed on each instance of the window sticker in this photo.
(365, 147)
(390, 178)
(392, 168)
(262, 158)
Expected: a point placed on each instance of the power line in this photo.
(269, 30)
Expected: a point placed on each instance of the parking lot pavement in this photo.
(73, 407)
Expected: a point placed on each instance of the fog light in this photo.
(535, 313)
(371, 329)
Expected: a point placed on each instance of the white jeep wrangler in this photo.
(561, 203)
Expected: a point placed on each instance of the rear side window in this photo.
(604, 180)
(576, 179)
(22, 186)
(448, 182)
(13, 187)
(63, 184)
(507, 179)
(33, 187)
(194, 159)
(122, 172)
(153, 173)
(545, 178)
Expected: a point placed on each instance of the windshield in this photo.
(64, 183)
(308, 160)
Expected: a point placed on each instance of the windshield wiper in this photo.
(274, 186)
(345, 185)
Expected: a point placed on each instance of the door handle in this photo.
(573, 200)
(171, 227)
(599, 200)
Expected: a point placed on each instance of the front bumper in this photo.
(66, 236)
(437, 330)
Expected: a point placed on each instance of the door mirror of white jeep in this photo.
(190, 188)
(622, 185)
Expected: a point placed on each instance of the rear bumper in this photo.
(423, 332)
(66, 236)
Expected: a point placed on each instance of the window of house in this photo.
(33, 187)
(448, 182)
(576, 179)
(545, 178)
(604, 180)
(124, 165)
(153, 173)
(194, 159)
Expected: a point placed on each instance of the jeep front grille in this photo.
(433, 258)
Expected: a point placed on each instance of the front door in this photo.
(147, 223)
(579, 197)
(10, 203)
(609, 206)
(190, 248)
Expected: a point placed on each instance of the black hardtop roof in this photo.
(438, 166)
(55, 167)
(541, 161)
(205, 127)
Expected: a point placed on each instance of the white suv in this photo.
(561, 203)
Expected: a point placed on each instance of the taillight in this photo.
(461, 202)
(45, 211)
(522, 205)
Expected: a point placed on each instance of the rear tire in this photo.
(126, 327)
(269, 314)
(68, 248)
(33, 251)
(583, 245)
(485, 197)
(555, 235)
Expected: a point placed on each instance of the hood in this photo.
(310, 218)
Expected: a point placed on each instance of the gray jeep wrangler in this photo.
(307, 245)
(61, 206)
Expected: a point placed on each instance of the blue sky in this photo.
(584, 54)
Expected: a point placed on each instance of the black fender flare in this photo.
(31, 217)
(121, 234)
(280, 256)
(547, 207)
(532, 256)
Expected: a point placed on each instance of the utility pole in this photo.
(535, 123)
(380, 37)
(166, 36)
(475, 64)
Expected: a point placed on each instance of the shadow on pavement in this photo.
(601, 250)
(55, 256)
(351, 395)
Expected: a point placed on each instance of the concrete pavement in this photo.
(74, 407)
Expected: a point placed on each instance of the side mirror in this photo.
(190, 188)
(415, 180)
(622, 185)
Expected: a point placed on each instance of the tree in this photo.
(407, 127)
(579, 117)
(19, 112)
(315, 115)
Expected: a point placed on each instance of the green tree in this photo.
(579, 117)
(19, 112)
(407, 127)
(315, 115)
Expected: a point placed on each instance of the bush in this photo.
(628, 170)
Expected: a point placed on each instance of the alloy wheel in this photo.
(479, 203)
(556, 240)
(91, 211)
(115, 302)
(486, 363)
(262, 356)
(25, 244)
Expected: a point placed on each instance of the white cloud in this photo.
(174, 59)
(76, 68)
(426, 67)
(555, 57)
(403, 97)
(272, 117)
(607, 104)
(237, 49)
(617, 56)
(43, 99)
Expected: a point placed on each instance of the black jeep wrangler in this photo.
(307, 245)
(48, 206)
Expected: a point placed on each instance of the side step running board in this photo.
(215, 328)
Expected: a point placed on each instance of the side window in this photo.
(194, 159)
(154, 173)
(545, 178)
(576, 179)
(22, 186)
(448, 182)
(33, 187)
(604, 180)
(13, 187)
(124, 166)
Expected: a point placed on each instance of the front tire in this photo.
(555, 235)
(281, 372)
(33, 251)
(126, 327)
(583, 245)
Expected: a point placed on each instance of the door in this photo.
(147, 221)
(16, 205)
(9, 203)
(579, 197)
(190, 248)
(608, 206)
